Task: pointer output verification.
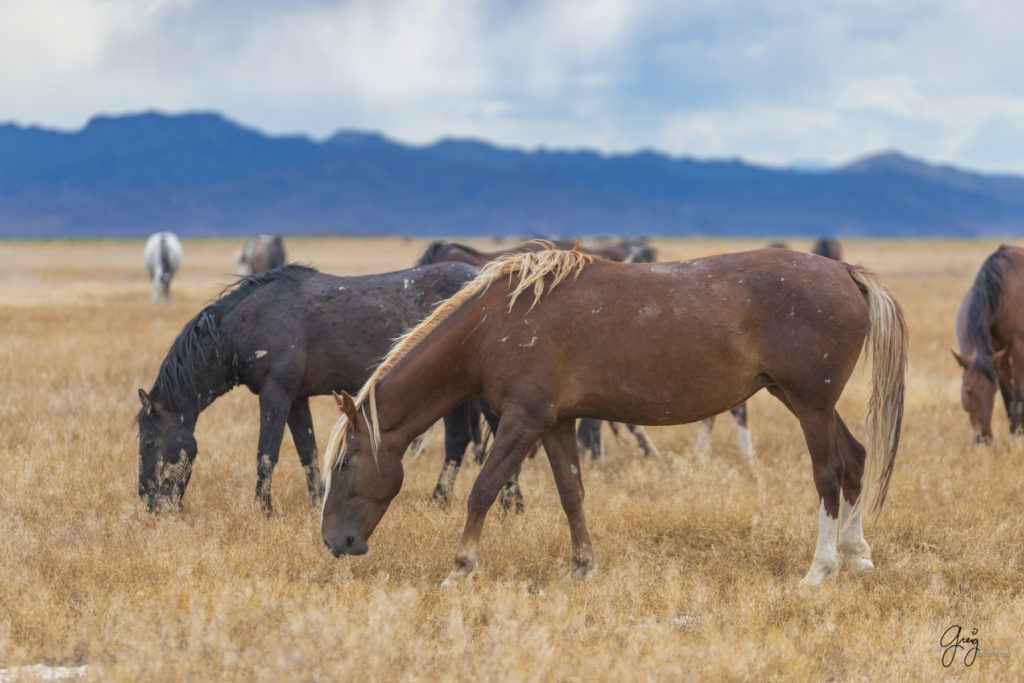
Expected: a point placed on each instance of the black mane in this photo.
(985, 295)
(176, 385)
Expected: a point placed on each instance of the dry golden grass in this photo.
(699, 563)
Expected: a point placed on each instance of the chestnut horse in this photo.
(708, 334)
(988, 323)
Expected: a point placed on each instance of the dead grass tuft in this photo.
(699, 562)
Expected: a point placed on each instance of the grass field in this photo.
(699, 562)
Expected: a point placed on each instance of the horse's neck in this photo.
(213, 378)
(426, 385)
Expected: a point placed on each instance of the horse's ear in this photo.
(346, 404)
(147, 402)
(997, 357)
(965, 363)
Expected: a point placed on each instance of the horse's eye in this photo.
(344, 462)
(149, 444)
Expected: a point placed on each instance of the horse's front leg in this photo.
(511, 443)
(560, 445)
(275, 407)
(300, 423)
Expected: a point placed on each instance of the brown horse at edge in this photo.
(989, 326)
(710, 333)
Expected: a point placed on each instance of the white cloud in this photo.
(767, 80)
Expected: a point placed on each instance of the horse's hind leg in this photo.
(739, 416)
(560, 445)
(703, 443)
(589, 437)
(856, 551)
(457, 435)
(511, 443)
(819, 429)
(300, 423)
(643, 441)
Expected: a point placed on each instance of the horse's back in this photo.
(337, 328)
(670, 329)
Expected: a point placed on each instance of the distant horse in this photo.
(829, 248)
(287, 335)
(261, 253)
(709, 333)
(162, 256)
(989, 326)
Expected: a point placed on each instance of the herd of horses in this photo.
(537, 339)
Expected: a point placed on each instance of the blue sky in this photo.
(770, 81)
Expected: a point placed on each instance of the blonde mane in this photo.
(533, 269)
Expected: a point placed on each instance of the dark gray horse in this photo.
(261, 253)
(277, 334)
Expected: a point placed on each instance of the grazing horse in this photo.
(162, 256)
(709, 333)
(279, 335)
(989, 329)
(261, 253)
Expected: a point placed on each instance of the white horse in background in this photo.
(162, 257)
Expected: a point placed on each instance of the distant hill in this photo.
(200, 174)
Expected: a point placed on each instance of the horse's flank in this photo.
(533, 268)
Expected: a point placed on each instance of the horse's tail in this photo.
(886, 343)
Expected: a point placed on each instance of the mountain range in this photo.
(201, 174)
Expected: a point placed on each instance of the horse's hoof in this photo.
(511, 500)
(440, 498)
(816, 575)
(265, 506)
(581, 570)
(461, 572)
(859, 565)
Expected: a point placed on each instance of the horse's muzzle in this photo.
(346, 545)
